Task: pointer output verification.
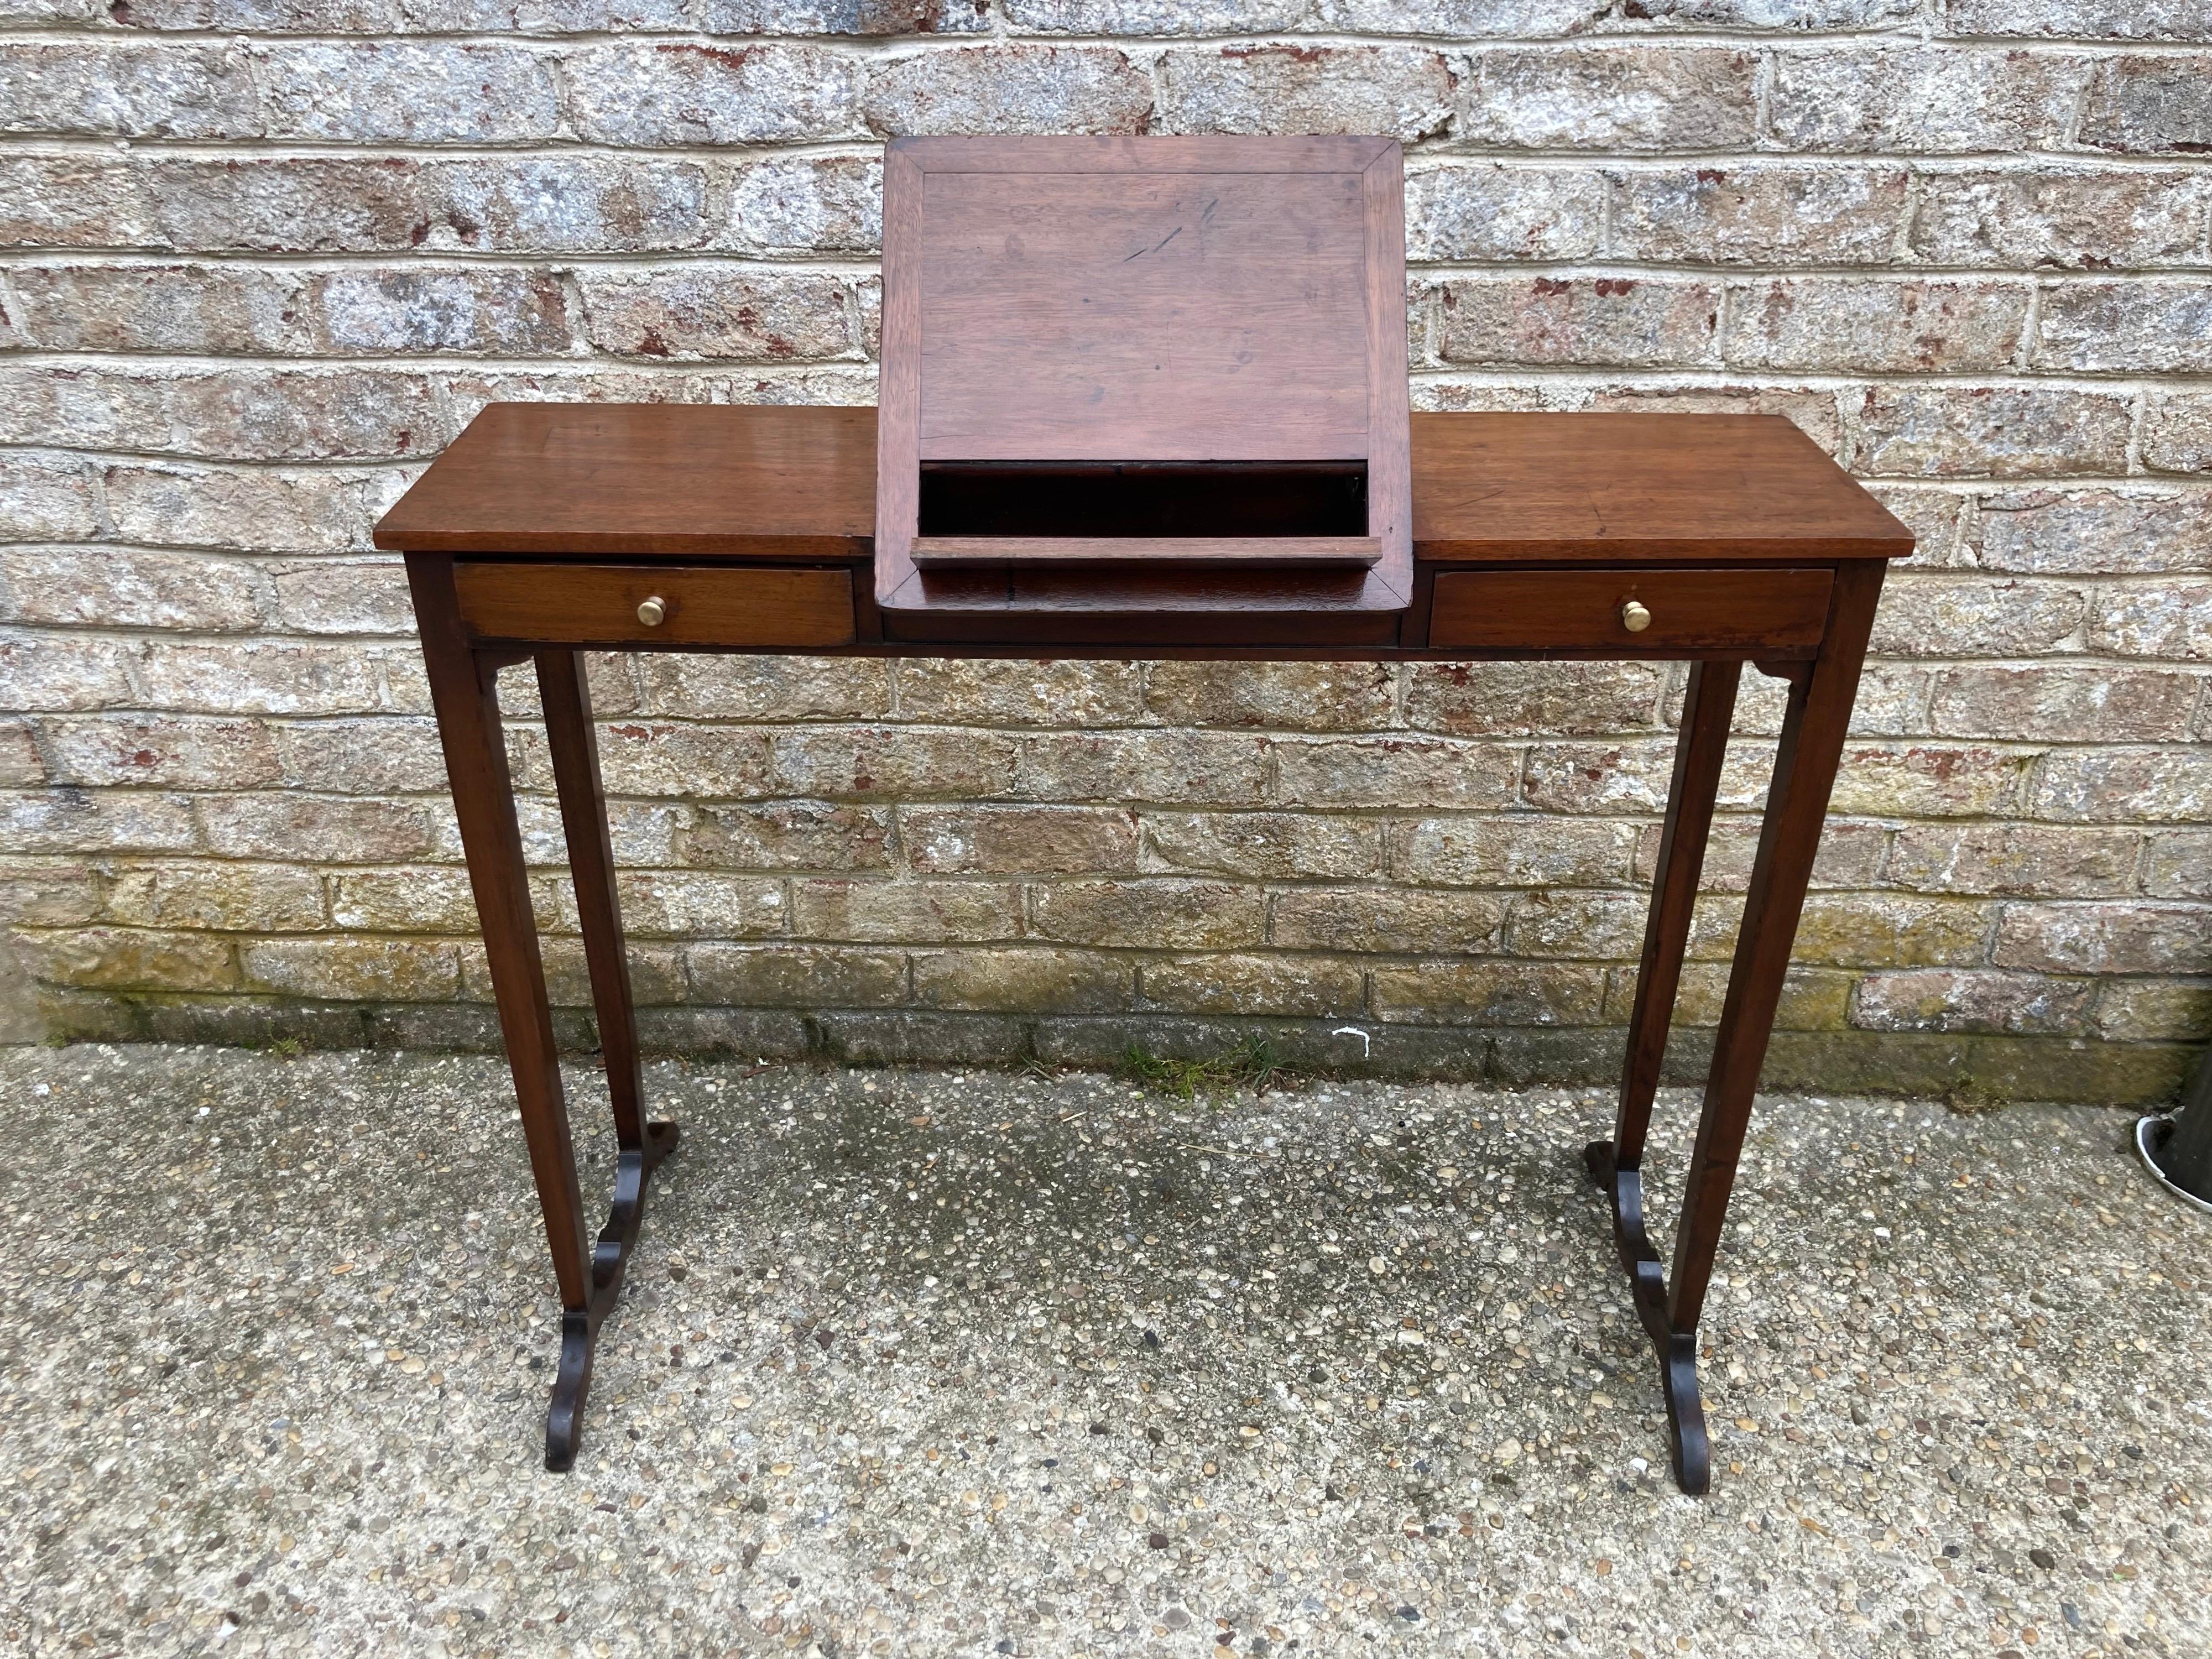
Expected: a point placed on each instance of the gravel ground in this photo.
(923, 1363)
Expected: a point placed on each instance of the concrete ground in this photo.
(928, 1362)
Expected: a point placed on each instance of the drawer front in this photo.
(613, 605)
(1778, 613)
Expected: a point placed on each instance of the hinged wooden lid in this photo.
(1110, 300)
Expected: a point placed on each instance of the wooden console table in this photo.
(548, 529)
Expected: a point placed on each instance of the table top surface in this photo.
(776, 482)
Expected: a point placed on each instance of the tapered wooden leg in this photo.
(576, 751)
(1812, 744)
(639, 1145)
(1700, 751)
(462, 691)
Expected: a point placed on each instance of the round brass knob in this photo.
(654, 611)
(1634, 617)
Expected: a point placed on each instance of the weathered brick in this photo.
(863, 17)
(2144, 106)
(1875, 930)
(921, 912)
(192, 309)
(291, 827)
(1850, 854)
(1634, 776)
(1155, 16)
(844, 762)
(258, 677)
(2148, 1011)
(1491, 993)
(1401, 921)
(70, 820)
(384, 755)
(62, 672)
(1290, 696)
(1251, 984)
(1812, 412)
(1407, 773)
(222, 897)
(180, 505)
(1262, 846)
(2126, 786)
(787, 835)
(691, 313)
(796, 975)
(2039, 217)
(473, 308)
(1812, 999)
(1397, 92)
(1529, 699)
(1952, 999)
(1614, 97)
(407, 92)
(1760, 212)
(81, 199)
(421, 899)
(1510, 850)
(2178, 864)
(20, 767)
(2177, 433)
(2102, 20)
(642, 833)
(1860, 325)
(1930, 780)
(2092, 531)
(1010, 88)
(126, 89)
(127, 587)
(47, 893)
(1978, 616)
(1494, 212)
(343, 596)
(2104, 937)
(130, 959)
(1922, 98)
(540, 204)
(782, 689)
(1024, 981)
(686, 903)
(46, 498)
(1135, 768)
(1155, 914)
(808, 205)
(1634, 322)
(2049, 702)
(1578, 924)
(1010, 692)
(2168, 619)
(355, 969)
(1018, 839)
(189, 753)
(2006, 432)
(2014, 860)
(690, 93)
(2158, 326)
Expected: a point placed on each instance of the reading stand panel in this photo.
(1206, 335)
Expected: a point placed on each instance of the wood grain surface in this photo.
(597, 604)
(1777, 613)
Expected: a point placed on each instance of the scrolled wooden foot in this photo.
(579, 1327)
(1688, 1450)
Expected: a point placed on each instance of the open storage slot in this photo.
(1227, 512)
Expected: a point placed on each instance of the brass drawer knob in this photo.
(654, 611)
(1634, 617)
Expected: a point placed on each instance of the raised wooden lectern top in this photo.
(1144, 397)
(1129, 378)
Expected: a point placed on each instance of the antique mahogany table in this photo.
(1143, 398)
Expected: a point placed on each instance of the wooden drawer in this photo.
(1772, 613)
(598, 603)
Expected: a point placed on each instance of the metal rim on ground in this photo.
(2148, 1136)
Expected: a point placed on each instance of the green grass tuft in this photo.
(1251, 1063)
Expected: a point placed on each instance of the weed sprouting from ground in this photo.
(1250, 1064)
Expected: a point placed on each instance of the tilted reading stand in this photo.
(1144, 397)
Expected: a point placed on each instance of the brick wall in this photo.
(263, 258)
